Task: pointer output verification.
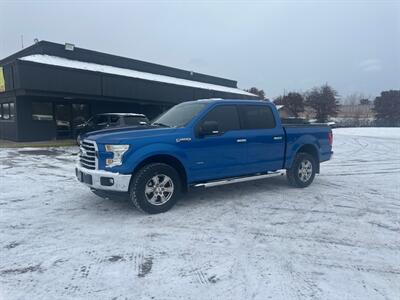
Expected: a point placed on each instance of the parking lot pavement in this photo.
(337, 239)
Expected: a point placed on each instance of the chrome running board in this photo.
(239, 179)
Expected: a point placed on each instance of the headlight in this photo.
(118, 153)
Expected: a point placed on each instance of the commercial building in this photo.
(47, 89)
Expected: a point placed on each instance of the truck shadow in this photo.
(204, 195)
(236, 190)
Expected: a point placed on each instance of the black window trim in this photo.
(240, 116)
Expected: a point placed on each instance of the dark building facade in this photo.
(47, 89)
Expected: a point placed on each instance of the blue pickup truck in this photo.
(201, 143)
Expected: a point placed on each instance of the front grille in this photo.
(87, 155)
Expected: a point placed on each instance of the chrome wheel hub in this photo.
(305, 170)
(159, 189)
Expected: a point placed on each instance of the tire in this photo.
(155, 188)
(302, 172)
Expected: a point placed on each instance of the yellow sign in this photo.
(2, 82)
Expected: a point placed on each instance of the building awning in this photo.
(81, 65)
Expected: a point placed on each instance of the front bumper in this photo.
(103, 180)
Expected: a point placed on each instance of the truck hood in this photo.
(127, 134)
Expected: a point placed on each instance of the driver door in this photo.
(220, 154)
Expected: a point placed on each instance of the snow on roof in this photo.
(76, 64)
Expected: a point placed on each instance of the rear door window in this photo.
(257, 117)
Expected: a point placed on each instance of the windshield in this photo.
(179, 115)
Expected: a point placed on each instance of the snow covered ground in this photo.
(337, 239)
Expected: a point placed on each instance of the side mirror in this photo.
(209, 128)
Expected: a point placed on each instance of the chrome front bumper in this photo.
(103, 180)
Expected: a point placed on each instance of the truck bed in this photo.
(298, 135)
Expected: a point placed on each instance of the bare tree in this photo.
(257, 92)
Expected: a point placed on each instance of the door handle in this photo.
(241, 140)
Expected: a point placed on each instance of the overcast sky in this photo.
(274, 45)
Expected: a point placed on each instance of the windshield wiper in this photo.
(160, 124)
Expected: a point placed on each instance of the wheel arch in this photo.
(313, 151)
(169, 160)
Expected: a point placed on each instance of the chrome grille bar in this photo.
(87, 155)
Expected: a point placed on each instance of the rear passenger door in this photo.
(223, 154)
(265, 140)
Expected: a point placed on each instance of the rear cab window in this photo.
(257, 117)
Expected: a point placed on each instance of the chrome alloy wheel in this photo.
(305, 170)
(159, 189)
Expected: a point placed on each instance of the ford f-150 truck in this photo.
(201, 143)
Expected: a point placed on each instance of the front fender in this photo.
(137, 156)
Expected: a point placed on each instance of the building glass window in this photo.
(6, 111)
(42, 111)
(62, 115)
(12, 110)
(80, 113)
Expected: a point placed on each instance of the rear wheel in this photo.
(155, 188)
(303, 170)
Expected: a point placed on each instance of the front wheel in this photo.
(303, 170)
(155, 188)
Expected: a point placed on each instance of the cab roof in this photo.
(237, 101)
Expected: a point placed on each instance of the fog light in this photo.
(106, 181)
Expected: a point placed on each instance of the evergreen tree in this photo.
(324, 100)
(387, 108)
(292, 101)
